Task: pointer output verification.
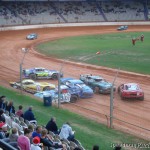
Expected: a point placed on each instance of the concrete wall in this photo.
(72, 25)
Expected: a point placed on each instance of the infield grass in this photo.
(87, 132)
(116, 50)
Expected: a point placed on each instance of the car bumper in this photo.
(87, 95)
(106, 91)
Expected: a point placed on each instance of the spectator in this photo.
(5, 105)
(31, 127)
(10, 108)
(95, 147)
(2, 99)
(47, 141)
(37, 132)
(118, 147)
(13, 136)
(2, 118)
(20, 111)
(14, 124)
(3, 131)
(36, 142)
(66, 132)
(24, 140)
(28, 115)
(52, 126)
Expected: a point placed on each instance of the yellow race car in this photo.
(31, 86)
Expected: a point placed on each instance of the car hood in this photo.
(87, 89)
(104, 84)
(44, 84)
(42, 94)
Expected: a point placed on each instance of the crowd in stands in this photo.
(21, 130)
(20, 13)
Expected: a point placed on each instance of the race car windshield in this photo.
(81, 85)
(132, 87)
(98, 80)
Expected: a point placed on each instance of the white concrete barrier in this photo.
(23, 27)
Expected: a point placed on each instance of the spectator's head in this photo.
(68, 123)
(28, 132)
(14, 131)
(36, 140)
(20, 107)
(2, 98)
(39, 129)
(31, 127)
(44, 132)
(4, 128)
(95, 147)
(10, 103)
(53, 119)
(118, 147)
(30, 108)
(1, 111)
(1, 125)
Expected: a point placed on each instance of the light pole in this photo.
(24, 50)
(59, 90)
(112, 99)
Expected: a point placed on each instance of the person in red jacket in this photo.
(133, 41)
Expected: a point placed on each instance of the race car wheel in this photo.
(33, 76)
(46, 88)
(142, 98)
(96, 90)
(73, 99)
(122, 97)
(15, 86)
(54, 76)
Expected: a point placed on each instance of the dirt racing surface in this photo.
(131, 116)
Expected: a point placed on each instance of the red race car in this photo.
(130, 90)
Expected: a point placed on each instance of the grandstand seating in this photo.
(22, 13)
(6, 144)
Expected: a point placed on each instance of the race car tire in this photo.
(96, 90)
(142, 98)
(15, 86)
(33, 76)
(47, 88)
(122, 97)
(54, 76)
(73, 99)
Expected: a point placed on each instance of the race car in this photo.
(31, 86)
(41, 73)
(97, 83)
(77, 87)
(122, 28)
(65, 95)
(31, 36)
(130, 90)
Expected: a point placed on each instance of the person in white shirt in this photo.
(66, 132)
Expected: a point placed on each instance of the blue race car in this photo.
(32, 36)
(77, 87)
(122, 28)
(97, 83)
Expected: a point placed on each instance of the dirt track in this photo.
(134, 112)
